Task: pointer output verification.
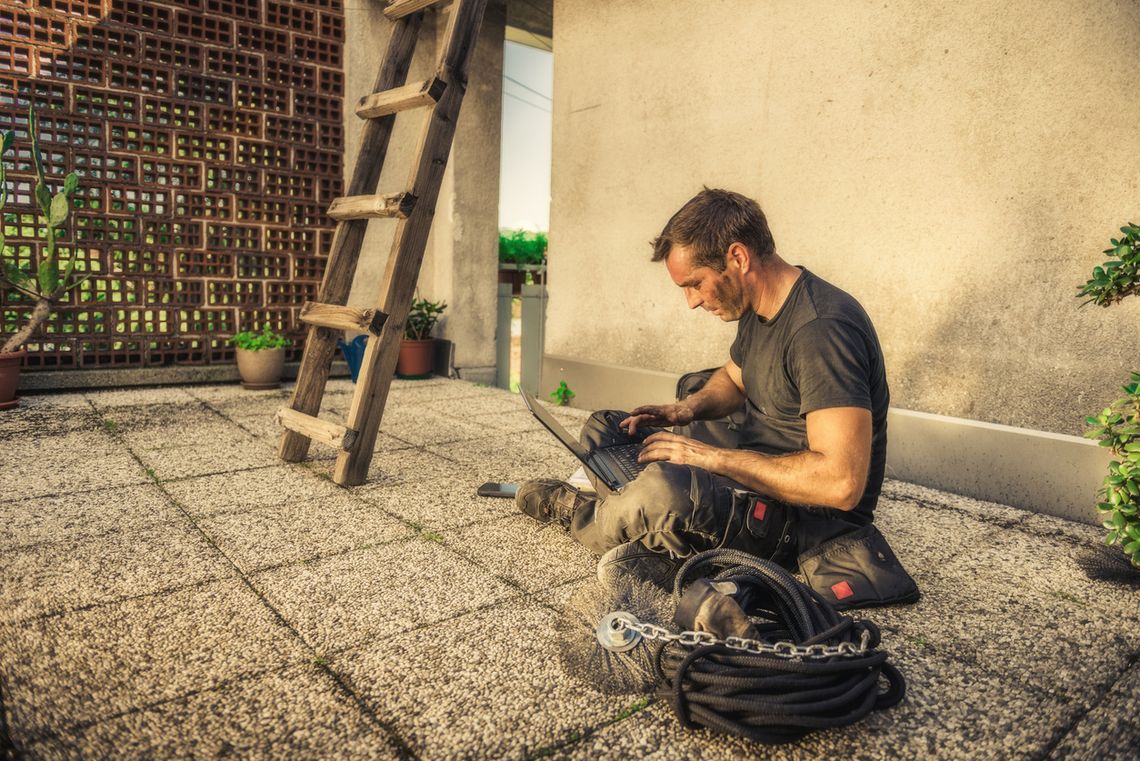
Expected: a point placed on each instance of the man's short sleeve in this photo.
(830, 365)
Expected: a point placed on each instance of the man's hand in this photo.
(669, 447)
(658, 415)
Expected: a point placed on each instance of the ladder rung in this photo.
(342, 317)
(398, 205)
(417, 94)
(316, 429)
(401, 8)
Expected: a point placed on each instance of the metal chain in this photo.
(778, 649)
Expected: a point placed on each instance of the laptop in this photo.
(613, 466)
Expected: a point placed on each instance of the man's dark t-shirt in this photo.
(819, 351)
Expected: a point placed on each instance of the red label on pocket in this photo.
(842, 590)
(759, 510)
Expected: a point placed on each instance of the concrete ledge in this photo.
(120, 377)
(1044, 472)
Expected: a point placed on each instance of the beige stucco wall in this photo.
(461, 259)
(958, 167)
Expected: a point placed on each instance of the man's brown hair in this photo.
(709, 223)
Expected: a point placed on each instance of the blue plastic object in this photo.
(353, 354)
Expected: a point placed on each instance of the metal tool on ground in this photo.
(751, 651)
(413, 206)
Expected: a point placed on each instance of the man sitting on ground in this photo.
(807, 370)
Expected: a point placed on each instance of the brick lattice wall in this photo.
(208, 138)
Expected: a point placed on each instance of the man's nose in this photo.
(692, 298)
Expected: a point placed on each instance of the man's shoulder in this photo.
(825, 301)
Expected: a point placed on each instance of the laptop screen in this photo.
(554, 426)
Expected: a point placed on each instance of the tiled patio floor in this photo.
(169, 588)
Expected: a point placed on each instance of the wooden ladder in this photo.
(414, 207)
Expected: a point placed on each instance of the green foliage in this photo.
(522, 247)
(1117, 427)
(422, 317)
(1116, 278)
(50, 275)
(562, 395)
(254, 341)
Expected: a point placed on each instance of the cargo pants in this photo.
(678, 510)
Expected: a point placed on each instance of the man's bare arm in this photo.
(722, 395)
(832, 472)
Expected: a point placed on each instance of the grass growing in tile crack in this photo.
(1066, 597)
(636, 706)
(576, 736)
(110, 425)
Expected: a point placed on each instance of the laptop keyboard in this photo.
(624, 457)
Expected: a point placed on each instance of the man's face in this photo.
(718, 292)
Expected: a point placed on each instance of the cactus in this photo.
(51, 277)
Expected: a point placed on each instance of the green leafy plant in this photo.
(50, 275)
(1116, 278)
(522, 247)
(254, 341)
(1117, 427)
(422, 318)
(562, 395)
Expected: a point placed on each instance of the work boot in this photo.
(633, 561)
(549, 501)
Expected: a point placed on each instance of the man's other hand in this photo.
(657, 415)
(670, 447)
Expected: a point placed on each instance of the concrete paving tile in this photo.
(514, 421)
(298, 712)
(477, 405)
(990, 512)
(1085, 534)
(40, 420)
(71, 462)
(1111, 730)
(221, 432)
(69, 574)
(397, 467)
(346, 599)
(71, 517)
(301, 530)
(171, 418)
(67, 400)
(486, 685)
(514, 458)
(130, 397)
(1010, 617)
(927, 537)
(94, 664)
(272, 486)
(520, 549)
(421, 426)
(951, 711)
(438, 501)
(214, 394)
(434, 389)
(205, 458)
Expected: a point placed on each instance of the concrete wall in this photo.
(461, 261)
(957, 167)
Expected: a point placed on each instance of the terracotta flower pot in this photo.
(261, 369)
(416, 358)
(10, 377)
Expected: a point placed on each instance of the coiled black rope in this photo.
(769, 698)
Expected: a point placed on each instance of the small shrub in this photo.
(522, 247)
(254, 341)
(562, 395)
(422, 318)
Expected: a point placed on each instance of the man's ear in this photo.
(739, 254)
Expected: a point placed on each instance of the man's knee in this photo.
(602, 430)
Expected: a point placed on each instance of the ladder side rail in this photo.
(340, 269)
(402, 271)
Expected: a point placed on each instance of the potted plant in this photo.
(522, 258)
(48, 277)
(417, 349)
(1117, 427)
(260, 358)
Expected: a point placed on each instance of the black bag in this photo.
(858, 570)
(723, 433)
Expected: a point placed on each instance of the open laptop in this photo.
(613, 466)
